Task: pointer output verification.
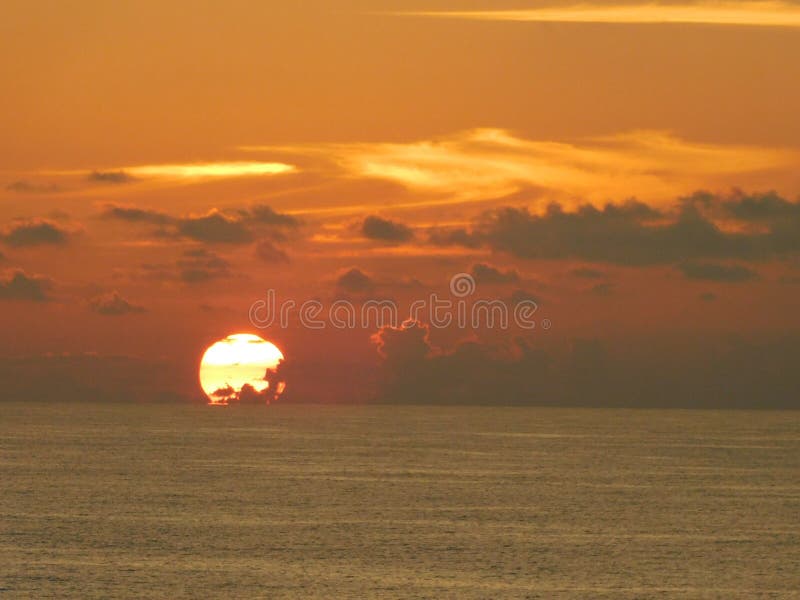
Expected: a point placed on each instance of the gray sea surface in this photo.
(180, 501)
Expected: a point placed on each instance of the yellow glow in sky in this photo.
(211, 169)
(764, 14)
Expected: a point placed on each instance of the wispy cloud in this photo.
(763, 14)
(183, 171)
(490, 164)
(211, 169)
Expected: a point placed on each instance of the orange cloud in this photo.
(486, 164)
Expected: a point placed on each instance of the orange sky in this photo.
(197, 114)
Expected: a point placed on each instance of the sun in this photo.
(242, 368)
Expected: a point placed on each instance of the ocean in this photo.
(291, 501)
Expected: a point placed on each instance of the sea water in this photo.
(155, 501)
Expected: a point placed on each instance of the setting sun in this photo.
(241, 367)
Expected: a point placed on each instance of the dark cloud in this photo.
(34, 232)
(384, 230)
(761, 207)
(200, 265)
(276, 379)
(95, 378)
(17, 285)
(113, 305)
(215, 227)
(136, 215)
(267, 251)
(266, 215)
(416, 372)
(407, 344)
(355, 280)
(197, 265)
(113, 177)
(717, 272)
(30, 187)
(485, 274)
(628, 234)
(740, 374)
(587, 273)
(458, 236)
(634, 234)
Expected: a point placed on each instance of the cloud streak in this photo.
(485, 165)
(210, 170)
(761, 14)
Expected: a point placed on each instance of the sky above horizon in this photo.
(632, 168)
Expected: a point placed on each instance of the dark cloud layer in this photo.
(34, 232)
(385, 230)
(634, 234)
(17, 285)
(93, 378)
(754, 374)
(717, 272)
(215, 227)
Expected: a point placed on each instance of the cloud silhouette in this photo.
(634, 234)
(194, 266)
(113, 305)
(457, 236)
(761, 207)
(385, 230)
(355, 280)
(136, 215)
(740, 374)
(34, 232)
(267, 251)
(214, 227)
(29, 187)
(113, 177)
(200, 265)
(17, 285)
(266, 215)
(488, 275)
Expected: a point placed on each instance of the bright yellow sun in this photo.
(242, 368)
